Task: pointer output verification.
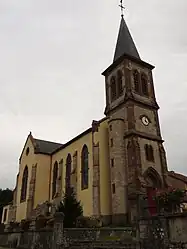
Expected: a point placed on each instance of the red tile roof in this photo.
(177, 180)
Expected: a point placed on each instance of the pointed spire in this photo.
(125, 43)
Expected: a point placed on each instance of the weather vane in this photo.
(122, 7)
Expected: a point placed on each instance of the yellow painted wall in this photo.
(85, 196)
(44, 172)
(28, 160)
(42, 178)
(105, 189)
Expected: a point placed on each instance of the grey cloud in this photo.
(51, 57)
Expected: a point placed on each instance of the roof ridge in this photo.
(99, 121)
(47, 141)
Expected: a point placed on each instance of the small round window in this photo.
(27, 151)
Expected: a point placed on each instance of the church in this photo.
(108, 161)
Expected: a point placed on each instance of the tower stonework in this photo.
(136, 145)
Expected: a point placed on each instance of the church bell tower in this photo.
(135, 142)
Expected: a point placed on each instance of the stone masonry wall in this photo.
(118, 169)
(30, 201)
(96, 173)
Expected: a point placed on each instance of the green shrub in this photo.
(71, 208)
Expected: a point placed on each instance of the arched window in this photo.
(24, 184)
(113, 92)
(84, 167)
(27, 151)
(144, 84)
(55, 175)
(136, 79)
(149, 153)
(153, 178)
(68, 172)
(119, 83)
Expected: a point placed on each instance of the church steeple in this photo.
(125, 43)
(134, 134)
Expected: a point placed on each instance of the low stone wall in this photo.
(70, 238)
(99, 234)
(30, 240)
(169, 230)
(166, 230)
(59, 238)
(178, 227)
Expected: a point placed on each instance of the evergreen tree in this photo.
(71, 208)
(6, 196)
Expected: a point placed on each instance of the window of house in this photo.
(84, 168)
(27, 151)
(5, 215)
(55, 176)
(111, 142)
(136, 79)
(144, 84)
(68, 172)
(24, 184)
(149, 153)
(113, 89)
(119, 83)
(112, 162)
(110, 127)
(113, 188)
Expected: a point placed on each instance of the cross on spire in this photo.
(122, 7)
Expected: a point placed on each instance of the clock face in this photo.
(145, 120)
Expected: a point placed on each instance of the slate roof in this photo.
(45, 147)
(125, 43)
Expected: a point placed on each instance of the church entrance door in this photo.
(151, 192)
(154, 183)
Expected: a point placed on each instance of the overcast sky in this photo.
(52, 53)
